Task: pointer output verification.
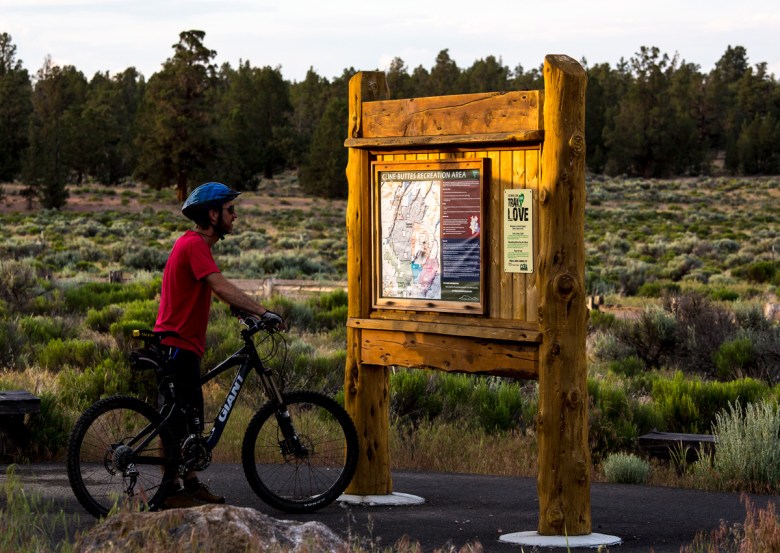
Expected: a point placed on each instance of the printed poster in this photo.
(518, 231)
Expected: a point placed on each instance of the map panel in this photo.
(430, 243)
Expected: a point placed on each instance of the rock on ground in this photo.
(207, 529)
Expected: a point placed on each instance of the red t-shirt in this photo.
(186, 298)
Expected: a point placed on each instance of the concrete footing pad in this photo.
(393, 499)
(533, 538)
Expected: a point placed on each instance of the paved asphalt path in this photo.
(462, 509)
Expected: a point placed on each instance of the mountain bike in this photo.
(299, 451)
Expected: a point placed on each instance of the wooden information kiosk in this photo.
(465, 228)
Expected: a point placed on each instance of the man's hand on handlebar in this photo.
(268, 320)
(273, 321)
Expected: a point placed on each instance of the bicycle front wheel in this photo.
(103, 470)
(304, 473)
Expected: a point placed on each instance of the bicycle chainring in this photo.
(195, 454)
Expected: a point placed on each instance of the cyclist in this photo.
(189, 278)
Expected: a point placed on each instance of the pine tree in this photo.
(175, 135)
(323, 173)
(15, 109)
(55, 133)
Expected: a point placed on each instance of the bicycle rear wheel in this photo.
(102, 469)
(302, 477)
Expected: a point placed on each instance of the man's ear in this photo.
(213, 216)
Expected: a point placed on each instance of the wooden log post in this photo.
(564, 458)
(366, 387)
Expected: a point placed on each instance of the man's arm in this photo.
(233, 295)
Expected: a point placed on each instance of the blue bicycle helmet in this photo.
(207, 196)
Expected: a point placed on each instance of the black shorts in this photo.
(185, 365)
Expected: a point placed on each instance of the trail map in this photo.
(430, 241)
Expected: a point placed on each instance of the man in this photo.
(189, 278)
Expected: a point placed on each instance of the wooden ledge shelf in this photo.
(505, 330)
(534, 136)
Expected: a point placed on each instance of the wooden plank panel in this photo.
(449, 353)
(451, 328)
(518, 279)
(460, 114)
(493, 253)
(532, 173)
(506, 280)
(432, 140)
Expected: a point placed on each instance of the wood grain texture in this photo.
(449, 353)
(460, 114)
(562, 423)
(446, 140)
(366, 387)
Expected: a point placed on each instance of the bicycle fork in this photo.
(290, 445)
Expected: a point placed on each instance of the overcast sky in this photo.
(331, 35)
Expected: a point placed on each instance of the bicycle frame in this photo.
(246, 358)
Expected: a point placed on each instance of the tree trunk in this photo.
(181, 186)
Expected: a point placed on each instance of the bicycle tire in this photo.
(301, 483)
(95, 461)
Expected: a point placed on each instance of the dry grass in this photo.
(760, 533)
(441, 447)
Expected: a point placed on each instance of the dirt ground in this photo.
(91, 198)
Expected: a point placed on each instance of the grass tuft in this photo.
(625, 468)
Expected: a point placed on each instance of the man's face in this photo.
(228, 216)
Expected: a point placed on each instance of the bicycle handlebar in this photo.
(269, 321)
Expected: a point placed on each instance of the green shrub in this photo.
(750, 316)
(625, 468)
(58, 354)
(18, 284)
(146, 258)
(324, 372)
(627, 366)
(723, 294)
(48, 428)
(736, 358)
(607, 346)
(703, 327)
(140, 310)
(316, 314)
(600, 321)
(299, 316)
(653, 337)
(691, 404)
(39, 329)
(759, 272)
(658, 288)
(96, 295)
(101, 320)
(412, 396)
(12, 343)
(747, 454)
(81, 388)
(498, 405)
(223, 336)
(455, 391)
(616, 419)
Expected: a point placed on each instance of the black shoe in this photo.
(181, 499)
(201, 492)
